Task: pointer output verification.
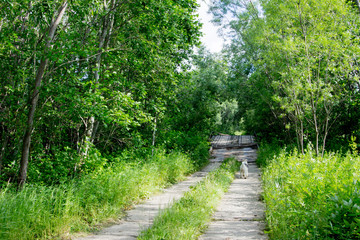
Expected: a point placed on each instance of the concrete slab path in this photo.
(240, 214)
(141, 217)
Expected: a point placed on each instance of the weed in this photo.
(187, 218)
(42, 212)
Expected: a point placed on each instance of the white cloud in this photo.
(210, 37)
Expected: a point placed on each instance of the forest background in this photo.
(110, 77)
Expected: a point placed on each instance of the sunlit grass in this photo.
(189, 217)
(42, 212)
(310, 197)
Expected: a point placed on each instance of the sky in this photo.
(210, 37)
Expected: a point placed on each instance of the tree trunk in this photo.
(154, 138)
(302, 138)
(326, 129)
(298, 135)
(88, 134)
(317, 135)
(104, 36)
(325, 136)
(297, 117)
(316, 125)
(96, 126)
(90, 125)
(35, 96)
(317, 144)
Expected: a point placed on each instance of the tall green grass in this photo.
(187, 218)
(42, 212)
(309, 197)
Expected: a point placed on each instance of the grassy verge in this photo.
(310, 197)
(42, 212)
(187, 218)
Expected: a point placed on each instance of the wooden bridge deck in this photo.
(231, 141)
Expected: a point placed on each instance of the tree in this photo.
(303, 53)
(103, 75)
(35, 96)
(191, 114)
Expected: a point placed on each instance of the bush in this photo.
(344, 209)
(310, 197)
(267, 152)
(191, 142)
(60, 167)
(48, 169)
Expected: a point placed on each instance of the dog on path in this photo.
(244, 169)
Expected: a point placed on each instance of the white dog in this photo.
(244, 169)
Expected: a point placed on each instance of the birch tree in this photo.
(56, 20)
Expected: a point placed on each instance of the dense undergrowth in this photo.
(310, 197)
(187, 218)
(43, 212)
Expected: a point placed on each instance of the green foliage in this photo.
(57, 169)
(345, 213)
(188, 218)
(293, 68)
(200, 154)
(353, 145)
(174, 166)
(310, 197)
(192, 142)
(191, 117)
(43, 212)
(268, 152)
(117, 62)
(227, 120)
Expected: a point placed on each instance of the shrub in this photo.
(310, 197)
(192, 142)
(344, 213)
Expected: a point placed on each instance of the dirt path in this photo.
(141, 217)
(240, 214)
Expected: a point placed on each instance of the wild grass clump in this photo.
(311, 197)
(187, 218)
(42, 212)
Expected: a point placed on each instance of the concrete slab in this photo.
(240, 215)
(229, 141)
(231, 230)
